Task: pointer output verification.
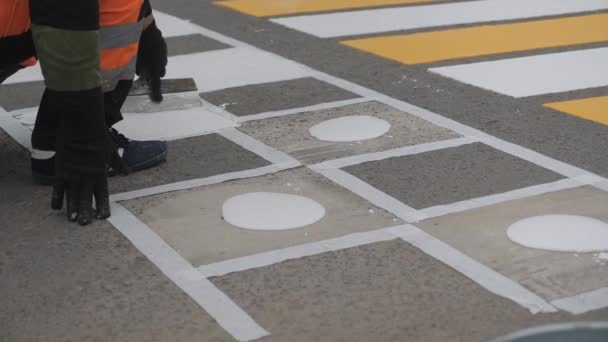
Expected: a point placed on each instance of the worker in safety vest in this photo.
(89, 51)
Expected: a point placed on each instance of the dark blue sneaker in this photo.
(136, 155)
(128, 156)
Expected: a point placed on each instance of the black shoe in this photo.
(133, 156)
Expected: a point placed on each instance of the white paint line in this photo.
(196, 183)
(397, 152)
(13, 127)
(541, 160)
(272, 155)
(535, 75)
(295, 252)
(584, 302)
(415, 17)
(317, 107)
(481, 274)
(219, 306)
(480, 202)
(172, 26)
(220, 69)
(603, 185)
(371, 194)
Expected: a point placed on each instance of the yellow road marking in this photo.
(482, 40)
(593, 108)
(268, 8)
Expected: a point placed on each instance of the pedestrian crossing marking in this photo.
(475, 41)
(593, 108)
(268, 8)
(378, 20)
(535, 75)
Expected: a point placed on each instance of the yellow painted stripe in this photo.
(593, 108)
(268, 8)
(482, 40)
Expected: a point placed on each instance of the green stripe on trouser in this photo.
(70, 60)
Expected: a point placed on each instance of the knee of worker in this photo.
(69, 59)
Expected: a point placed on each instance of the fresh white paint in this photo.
(350, 128)
(200, 182)
(535, 75)
(368, 192)
(213, 70)
(561, 233)
(267, 152)
(291, 111)
(219, 69)
(479, 273)
(173, 125)
(584, 302)
(396, 152)
(512, 195)
(217, 304)
(271, 211)
(15, 129)
(416, 17)
(172, 26)
(295, 252)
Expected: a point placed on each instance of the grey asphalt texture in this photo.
(62, 282)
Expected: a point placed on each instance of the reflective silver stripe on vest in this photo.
(118, 36)
(112, 76)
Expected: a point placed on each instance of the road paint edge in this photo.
(217, 304)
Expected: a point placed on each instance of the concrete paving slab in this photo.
(450, 175)
(388, 291)
(276, 96)
(191, 221)
(192, 158)
(481, 234)
(291, 134)
(63, 282)
(192, 43)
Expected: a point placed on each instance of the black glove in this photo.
(152, 59)
(83, 150)
(80, 190)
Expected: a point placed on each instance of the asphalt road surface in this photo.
(475, 115)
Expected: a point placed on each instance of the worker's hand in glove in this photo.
(152, 59)
(83, 154)
(79, 191)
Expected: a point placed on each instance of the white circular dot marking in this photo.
(350, 128)
(271, 211)
(561, 233)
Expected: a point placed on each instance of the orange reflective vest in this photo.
(120, 29)
(15, 22)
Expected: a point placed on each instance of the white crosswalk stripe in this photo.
(417, 17)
